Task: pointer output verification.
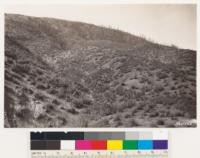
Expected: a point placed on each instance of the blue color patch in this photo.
(145, 144)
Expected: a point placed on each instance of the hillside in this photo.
(70, 74)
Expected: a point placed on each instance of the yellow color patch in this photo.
(114, 144)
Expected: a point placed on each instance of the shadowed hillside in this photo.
(70, 74)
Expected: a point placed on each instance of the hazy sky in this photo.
(166, 24)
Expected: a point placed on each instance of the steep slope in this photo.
(70, 74)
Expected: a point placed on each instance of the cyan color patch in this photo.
(145, 144)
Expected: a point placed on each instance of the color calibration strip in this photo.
(99, 141)
(99, 145)
(135, 144)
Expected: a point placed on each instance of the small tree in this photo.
(23, 99)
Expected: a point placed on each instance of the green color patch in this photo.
(130, 144)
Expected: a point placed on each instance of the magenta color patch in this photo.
(83, 145)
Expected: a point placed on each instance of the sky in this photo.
(162, 23)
